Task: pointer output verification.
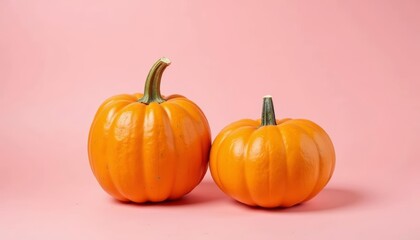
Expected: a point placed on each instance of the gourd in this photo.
(148, 147)
(272, 163)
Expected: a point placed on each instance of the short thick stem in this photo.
(152, 86)
(268, 116)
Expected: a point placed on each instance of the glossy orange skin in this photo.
(272, 166)
(149, 153)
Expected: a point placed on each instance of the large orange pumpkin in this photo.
(148, 147)
(272, 163)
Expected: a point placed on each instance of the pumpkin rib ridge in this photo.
(188, 113)
(168, 114)
(113, 186)
(206, 128)
(225, 134)
(196, 132)
(280, 135)
(242, 162)
(246, 182)
(112, 128)
(218, 167)
(218, 142)
(163, 120)
(243, 175)
(138, 111)
(330, 145)
(142, 155)
(316, 185)
(286, 160)
(327, 137)
(100, 111)
(158, 146)
(127, 143)
(221, 143)
(149, 110)
(140, 197)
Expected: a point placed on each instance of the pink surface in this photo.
(352, 67)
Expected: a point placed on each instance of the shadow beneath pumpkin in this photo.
(327, 199)
(205, 192)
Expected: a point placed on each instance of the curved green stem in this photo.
(152, 86)
(268, 116)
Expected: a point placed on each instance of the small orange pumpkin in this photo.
(271, 163)
(148, 147)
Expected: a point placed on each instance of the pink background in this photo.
(351, 66)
